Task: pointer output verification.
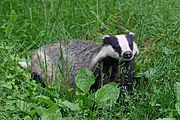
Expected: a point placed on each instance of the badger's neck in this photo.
(105, 51)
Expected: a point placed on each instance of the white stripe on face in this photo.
(123, 43)
(135, 49)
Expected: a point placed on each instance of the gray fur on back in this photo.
(81, 54)
(63, 58)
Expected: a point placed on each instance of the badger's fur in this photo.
(63, 58)
(115, 55)
(116, 60)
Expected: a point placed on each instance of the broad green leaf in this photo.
(7, 85)
(13, 16)
(32, 112)
(107, 92)
(85, 102)
(84, 80)
(178, 97)
(23, 106)
(52, 113)
(67, 104)
(46, 100)
(9, 105)
(39, 110)
(72, 106)
(27, 118)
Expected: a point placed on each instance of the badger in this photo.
(114, 58)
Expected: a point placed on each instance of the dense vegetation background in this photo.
(27, 24)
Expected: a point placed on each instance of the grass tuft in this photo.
(26, 25)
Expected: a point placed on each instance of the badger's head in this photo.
(119, 46)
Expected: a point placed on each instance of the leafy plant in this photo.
(107, 93)
(26, 25)
(84, 80)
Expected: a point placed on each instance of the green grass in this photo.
(27, 24)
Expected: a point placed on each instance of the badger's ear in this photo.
(131, 35)
(105, 39)
(105, 36)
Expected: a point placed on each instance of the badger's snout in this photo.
(127, 55)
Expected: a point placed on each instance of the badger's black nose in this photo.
(127, 54)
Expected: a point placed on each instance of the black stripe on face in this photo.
(113, 41)
(130, 38)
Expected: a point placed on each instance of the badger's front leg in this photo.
(128, 75)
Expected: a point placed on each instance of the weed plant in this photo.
(26, 25)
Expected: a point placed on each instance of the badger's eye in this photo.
(131, 45)
(117, 48)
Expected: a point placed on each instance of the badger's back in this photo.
(81, 54)
(65, 59)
